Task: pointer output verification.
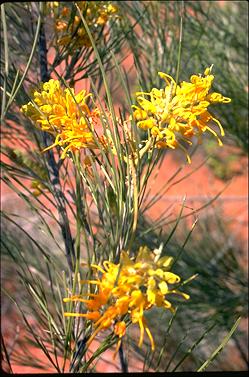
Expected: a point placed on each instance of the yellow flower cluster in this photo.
(96, 13)
(68, 118)
(126, 290)
(178, 112)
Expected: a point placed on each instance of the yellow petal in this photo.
(171, 278)
(165, 262)
(146, 105)
(163, 287)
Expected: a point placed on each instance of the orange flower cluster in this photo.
(178, 112)
(126, 290)
(68, 30)
(63, 114)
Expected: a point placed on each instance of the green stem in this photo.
(180, 43)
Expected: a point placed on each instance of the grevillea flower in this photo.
(63, 114)
(179, 112)
(71, 30)
(125, 291)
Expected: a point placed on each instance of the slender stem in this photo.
(180, 43)
(53, 169)
(135, 203)
(242, 352)
(5, 358)
(43, 54)
(6, 59)
(123, 361)
(14, 90)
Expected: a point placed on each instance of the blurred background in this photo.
(208, 33)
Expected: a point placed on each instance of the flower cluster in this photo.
(126, 290)
(96, 13)
(178, 112)
(63, 114)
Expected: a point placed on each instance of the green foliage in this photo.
(223, 42)
(94, 213)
